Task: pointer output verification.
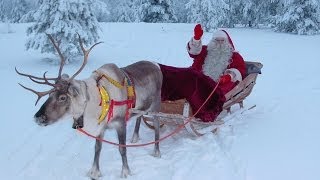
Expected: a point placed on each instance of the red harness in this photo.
(113, 103)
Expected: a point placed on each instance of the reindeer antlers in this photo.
(85, 56)
(39, 94)
(56, 46)
(62, 63)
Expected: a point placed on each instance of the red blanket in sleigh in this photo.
(195, 87)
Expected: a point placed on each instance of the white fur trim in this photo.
(220, 34)
(155, 63)
(195, 46)
(235, 74)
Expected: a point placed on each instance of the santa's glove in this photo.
(225, 79)
(198, 32)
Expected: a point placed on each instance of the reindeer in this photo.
(81, 99)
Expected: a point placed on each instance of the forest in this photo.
(289, 16)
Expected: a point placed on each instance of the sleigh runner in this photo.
(179, 112)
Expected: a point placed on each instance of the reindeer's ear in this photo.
(74, 91)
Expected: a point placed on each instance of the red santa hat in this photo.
(223, 34)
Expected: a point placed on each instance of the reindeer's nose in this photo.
(78, 123)
(41, 120)
(41, 112)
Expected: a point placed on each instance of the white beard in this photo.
(217, 59)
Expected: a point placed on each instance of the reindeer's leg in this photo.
(135, 136)
(229, 110)
(156, 106)
(156, 124)
(94, 172)
(121, 131)
(241, 104)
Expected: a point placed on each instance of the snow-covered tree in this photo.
(19, 9)
(3, 10)
(125, 12)
(299, 17)
(139, 9)
(275, 8)
(13, 10)
(253, 10)
(29, 16)
(5, 7)
(180, 10)
(210, 13)
(260, 12)
(63, 19)
(100, 10)
(156, 11)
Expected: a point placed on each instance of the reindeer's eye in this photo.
(62, 98)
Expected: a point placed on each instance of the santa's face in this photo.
(219, 45)
(219, 41)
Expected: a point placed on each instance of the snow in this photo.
(278, 139)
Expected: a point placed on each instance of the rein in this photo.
(189, 119)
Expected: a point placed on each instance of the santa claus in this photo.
(216, 62)
(218, 59)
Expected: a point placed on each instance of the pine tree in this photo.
(1, 14)
(251, 11)
(125, 11)
(13, 10)
(29, 16)
(63, 19)
(234, 15)
(299, 17)
(19, 9)
(3, 10)
(180, 10)
(275, 8)
(264, 11)
(5, 7)
(210, 13)
(156, 11)
(138, 8)
(100, 10)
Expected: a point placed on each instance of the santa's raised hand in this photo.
(198, 32)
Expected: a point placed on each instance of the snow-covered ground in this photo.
(277, 140)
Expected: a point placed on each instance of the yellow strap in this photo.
(114, 82)
(130, 91)
(104, 104)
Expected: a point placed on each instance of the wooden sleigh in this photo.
(179, 113)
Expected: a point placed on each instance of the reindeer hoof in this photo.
(94, 174)
(125, 172)
(135, 138)
(157, 154)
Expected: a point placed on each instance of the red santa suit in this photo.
(195, 83)
(217, 61)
